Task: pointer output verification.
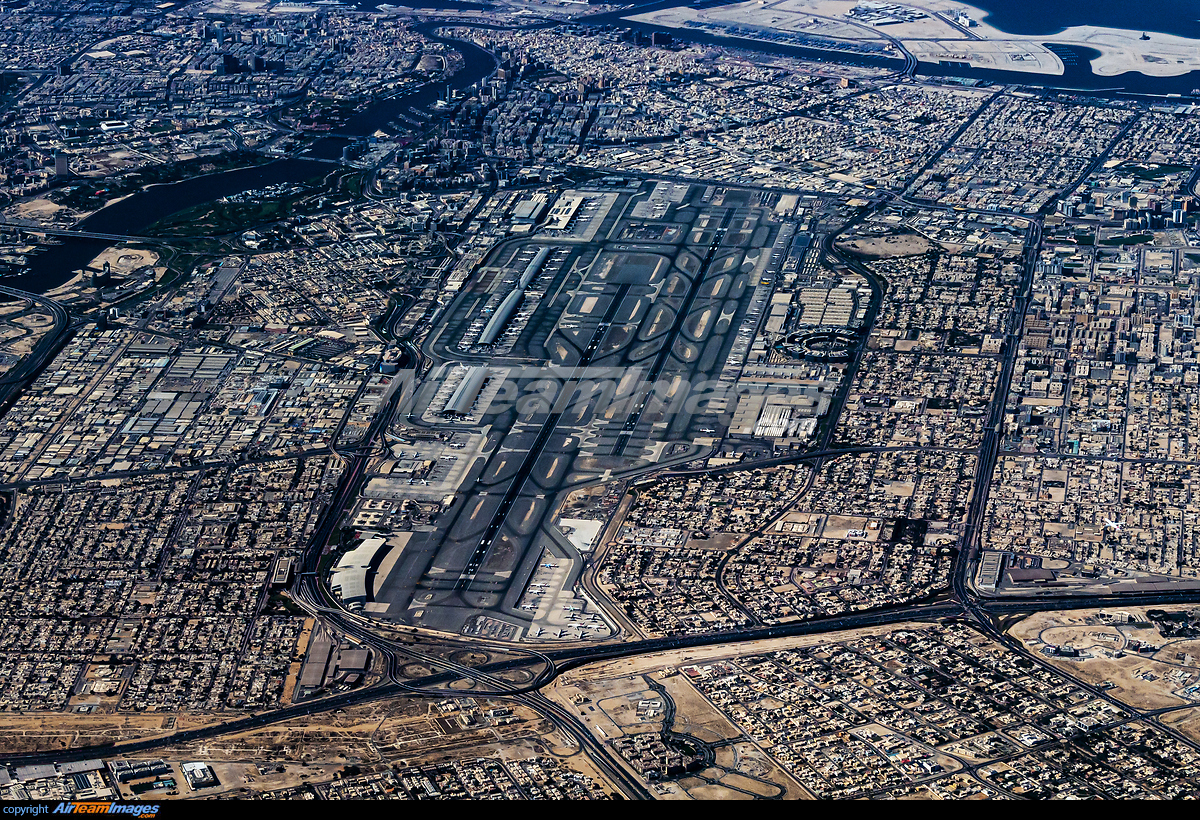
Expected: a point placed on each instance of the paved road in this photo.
(541, 667)
(46, 348)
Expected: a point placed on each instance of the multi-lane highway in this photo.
(426, 664)
(43, 350)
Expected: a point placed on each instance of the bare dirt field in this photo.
(26, 733)
(883, 247)
(1143, 680)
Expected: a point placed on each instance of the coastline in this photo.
(1027, 17)
(1162, 64)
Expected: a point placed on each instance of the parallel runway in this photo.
(600, 355)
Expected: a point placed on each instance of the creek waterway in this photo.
(53, 265)
(1180, 17)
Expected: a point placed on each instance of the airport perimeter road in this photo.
(574, 657)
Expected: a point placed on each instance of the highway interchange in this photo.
(420, 663)
(483, 558)
(424, 663)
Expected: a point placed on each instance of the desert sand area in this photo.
(40, 211)
(124, 260)
(375, 735)
(942, 35)
(383, 730)
(33, 732)
(1186, 721)
(1162, 675)
(886, 247)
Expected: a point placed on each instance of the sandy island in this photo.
(942, 35)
